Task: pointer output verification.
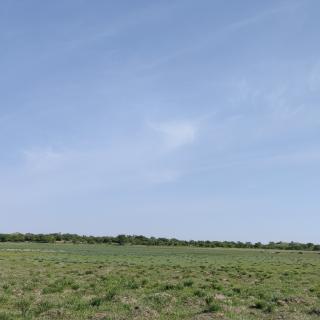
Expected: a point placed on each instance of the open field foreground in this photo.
(67, 281)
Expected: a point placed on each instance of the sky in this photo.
(181, 118)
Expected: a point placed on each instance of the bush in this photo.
(188, 283)
(213, 307)
(96, 302)
(264, 306)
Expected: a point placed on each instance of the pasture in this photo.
(77, 281)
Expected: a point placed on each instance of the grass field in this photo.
(73, 281)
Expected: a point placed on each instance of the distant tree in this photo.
(258, 245)
(121, 239)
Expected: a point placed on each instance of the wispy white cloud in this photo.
(175, 134)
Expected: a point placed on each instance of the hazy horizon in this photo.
(181, 119)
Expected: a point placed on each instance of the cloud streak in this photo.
(175, 134)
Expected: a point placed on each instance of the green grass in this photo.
(74, 281)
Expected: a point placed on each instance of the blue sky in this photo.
(187, 119)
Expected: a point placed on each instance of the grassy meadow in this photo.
(76, 281)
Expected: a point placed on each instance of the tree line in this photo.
(151, 241)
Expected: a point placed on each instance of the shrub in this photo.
(264, 306)
(168, 286)
(96, 301)
(188, 283)
(213, 307)
(199, 293)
